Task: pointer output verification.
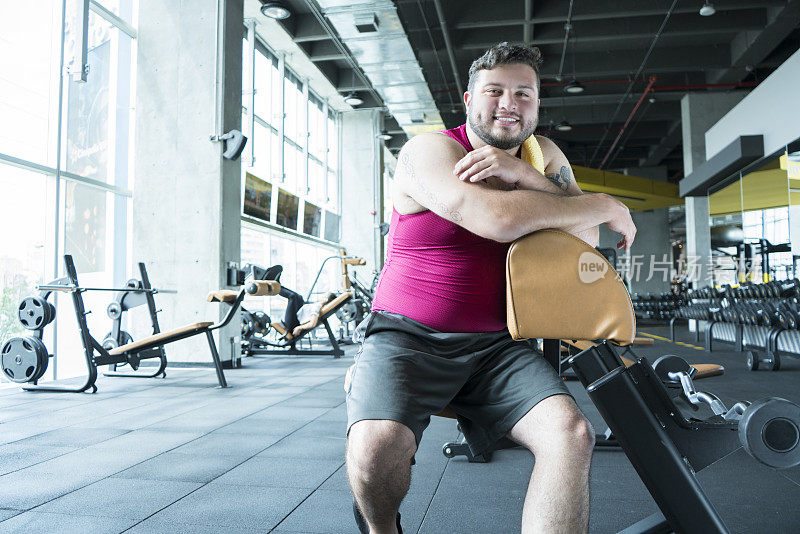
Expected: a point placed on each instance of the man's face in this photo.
(503, 107)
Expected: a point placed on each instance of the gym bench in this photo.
(638, 401)
(149, 347)
(288, 343)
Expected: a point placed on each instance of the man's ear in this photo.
(467, 98)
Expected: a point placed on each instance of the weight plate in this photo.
(770, 432)
(23, 359)
(669, 363)
(35, 313)
(114, 310)
(752, 361)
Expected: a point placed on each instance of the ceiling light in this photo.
(384, 135)
(573, 87)
(708, 9)
(563, 126)
(353, 99)
(275, 10)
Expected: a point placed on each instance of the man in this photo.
(437, 334)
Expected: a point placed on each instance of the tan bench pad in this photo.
(222, 295)
(559, 287)
(163, 336)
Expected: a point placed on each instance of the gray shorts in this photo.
(405, 371)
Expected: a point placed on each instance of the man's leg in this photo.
(562, 440)
(379, 454)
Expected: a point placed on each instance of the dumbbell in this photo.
(769, 429)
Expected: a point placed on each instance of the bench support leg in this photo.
(215, 356)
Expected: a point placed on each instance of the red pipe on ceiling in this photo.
(627, 122)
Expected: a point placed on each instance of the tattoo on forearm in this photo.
(453, 215)
(560, 179)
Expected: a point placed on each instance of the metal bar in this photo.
(104, 13)
(449, 45)
(567, 29)
(527, 27)
(215, 356)
(72, 288)
(80, 69)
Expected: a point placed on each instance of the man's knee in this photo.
(556, 426)
(378, 446)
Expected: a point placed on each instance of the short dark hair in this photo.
(505, 54)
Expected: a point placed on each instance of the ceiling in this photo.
(615, 48)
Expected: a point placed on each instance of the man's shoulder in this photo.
(550, 150)
(433, 143)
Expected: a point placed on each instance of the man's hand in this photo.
(620, 221)
(490, 161)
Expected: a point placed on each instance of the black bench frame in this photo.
(665, 448)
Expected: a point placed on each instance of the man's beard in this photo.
(484, 131)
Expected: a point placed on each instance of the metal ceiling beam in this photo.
(553, 12)
(751, 47)
(527, 29)
(449, 45)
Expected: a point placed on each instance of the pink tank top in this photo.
(441, 274)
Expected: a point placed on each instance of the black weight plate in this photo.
(22, 359)
(41, 352)
(770, 432)
(33, 313)
(669, 363)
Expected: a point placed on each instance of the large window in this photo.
(64, 178)
(294, 149)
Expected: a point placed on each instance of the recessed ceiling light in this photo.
(275, 10)
(353, 99)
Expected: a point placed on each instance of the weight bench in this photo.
(134, 351)
(546, 300)
(288, 343)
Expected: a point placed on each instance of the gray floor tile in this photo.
(236, 506)
(277, 472)
(31, 487)
(121, 498)
(157, 525)
(300, 448)
(331, 512)
(45, 523)
(5, 514)
(14, 456)
(230, 445)
(181, 467)
(72, 437)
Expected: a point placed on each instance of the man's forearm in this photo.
(518, 213)
(555, 183)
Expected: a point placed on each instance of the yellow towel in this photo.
(532, 153)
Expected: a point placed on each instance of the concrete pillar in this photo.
(650, 265)
(699, 112)
(186, 204)
(362, 186)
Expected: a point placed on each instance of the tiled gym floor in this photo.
(267, 454)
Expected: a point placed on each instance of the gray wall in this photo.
(770, 110)
(186, 204)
